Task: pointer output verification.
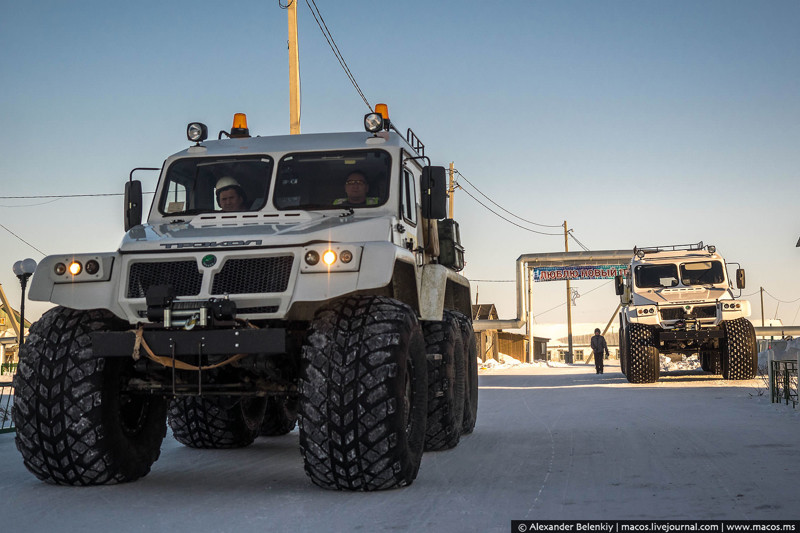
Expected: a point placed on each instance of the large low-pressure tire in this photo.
(215, 422)
(623, 348)
(363, 395)
(644, 364)
(470, 373)
(280, 416)
(76, 423)
(739, 359)
(445, 349)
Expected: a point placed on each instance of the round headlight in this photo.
(373, 122)
(92, 267)
(329, 257)
(60, 269)
(312, 258)
(346, 256)
(75, 268)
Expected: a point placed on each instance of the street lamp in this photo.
(23, 270)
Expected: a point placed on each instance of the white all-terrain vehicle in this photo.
(679, 299)
(309, 279)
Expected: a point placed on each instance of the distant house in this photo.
(516, 346)
(491, 343)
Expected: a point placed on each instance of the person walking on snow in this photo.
(600, 348)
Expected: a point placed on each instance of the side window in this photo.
(409, 199)
(176, 198)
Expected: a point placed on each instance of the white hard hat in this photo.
(226, 182)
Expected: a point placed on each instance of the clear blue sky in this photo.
(638, 122)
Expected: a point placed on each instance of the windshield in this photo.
(656, 276)
(203, 185)
(702, 273)
(333, 180)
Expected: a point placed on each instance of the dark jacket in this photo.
(599, 345)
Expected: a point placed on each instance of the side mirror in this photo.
(619, 286)
(433, 183)
(740, 278)
(132, 214)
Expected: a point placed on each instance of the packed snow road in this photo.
(550, 443)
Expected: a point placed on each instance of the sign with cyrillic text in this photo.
(563, 273)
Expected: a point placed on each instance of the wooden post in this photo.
(568, 358)
(294, 71)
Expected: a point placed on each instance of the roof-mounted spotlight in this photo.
(712, 248)
(373, 122)
(379, 120)
(196, 132)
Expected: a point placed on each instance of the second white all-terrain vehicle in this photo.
(679, 300)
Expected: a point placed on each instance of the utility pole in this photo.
(531, 351)
(762, 307)
(294, 71)
(451, 190)
(569, 303)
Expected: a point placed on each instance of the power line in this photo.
(335, 49)
(504, 209)
(59, 196)
(23, 240)
(574, 238)
(781, 301)
(31, 205)
(504, 218)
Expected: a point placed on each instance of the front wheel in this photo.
(739, 351)
(363, 395)
(77, 423)
(643, 361)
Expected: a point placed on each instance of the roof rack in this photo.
(641, 251)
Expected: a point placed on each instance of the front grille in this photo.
(184, 277)
(255, 275)
(675, 313)
(702, 311)
(705, 311)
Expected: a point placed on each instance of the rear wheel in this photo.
(280, 416)
(363, 395)
(77, 424)
(644, 365)
(445, 351)
(470, 373)
(739, 352)
(216, 421)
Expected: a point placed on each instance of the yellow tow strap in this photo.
(168, 361)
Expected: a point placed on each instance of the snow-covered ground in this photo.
(552, 442)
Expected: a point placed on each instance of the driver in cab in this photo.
(356, 189)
